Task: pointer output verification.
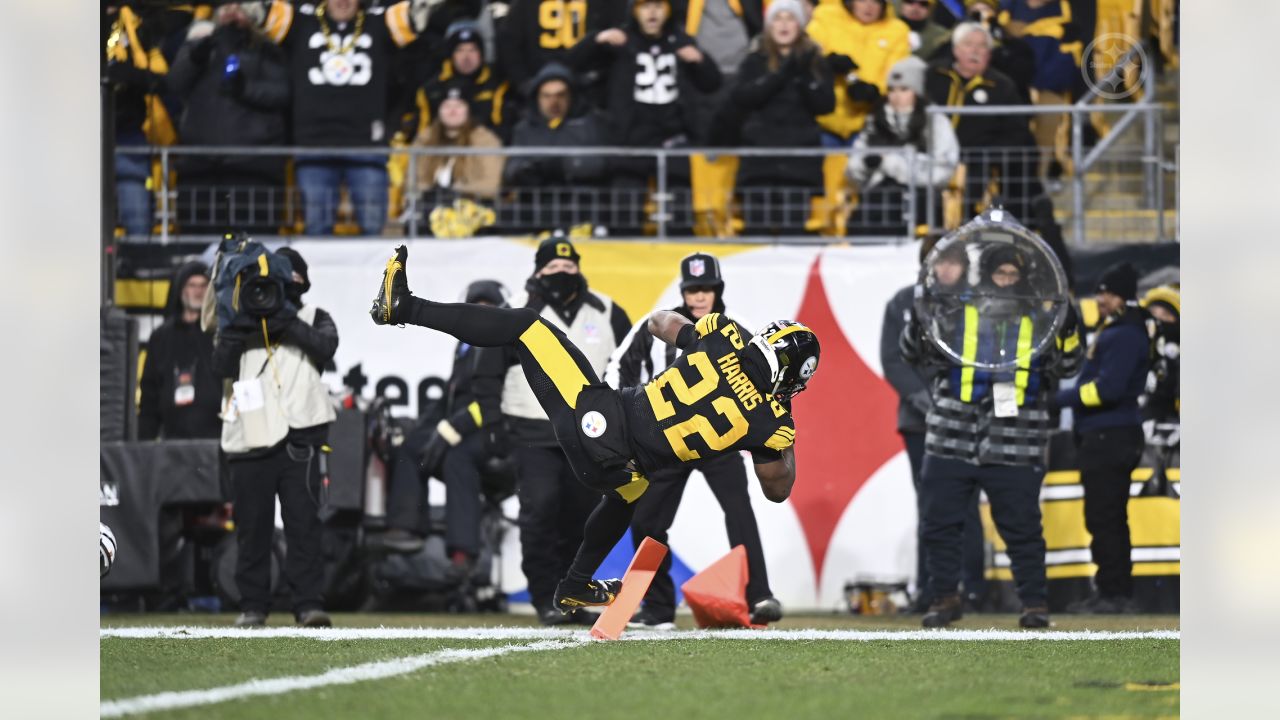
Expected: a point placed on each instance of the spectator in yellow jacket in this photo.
(861, 41)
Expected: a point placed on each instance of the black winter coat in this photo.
(222, 109)
(779, 109)
(944, 86)
(649, 68)
(180, 394)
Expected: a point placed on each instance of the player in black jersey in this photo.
(727, 392)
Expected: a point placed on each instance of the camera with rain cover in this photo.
(250, 281)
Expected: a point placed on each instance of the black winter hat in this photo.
(1003, 255)
(553, 248)
(490, 291)
(299, 266)
(438, 92)
(463, 31)
(1122, 280)
(701, 270)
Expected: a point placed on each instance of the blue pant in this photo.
(1014, 494)
(366, 179)
(133, 199)
(973, 562)
(831, 140)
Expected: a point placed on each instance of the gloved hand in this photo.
(444, 437)
(862, 91)
(841, 65)
(871, 162)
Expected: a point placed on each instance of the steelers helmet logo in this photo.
(593, 424)
(809, 367)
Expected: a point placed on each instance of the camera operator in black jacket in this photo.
(275, 424)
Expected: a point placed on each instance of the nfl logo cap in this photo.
(700, 270)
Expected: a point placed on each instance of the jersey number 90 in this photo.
(563, 23)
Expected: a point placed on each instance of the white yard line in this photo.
(533, 633)
(337, 676)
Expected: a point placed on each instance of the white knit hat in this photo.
(795, 7)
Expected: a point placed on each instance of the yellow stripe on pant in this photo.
(632, 491)
(555, 361)
(568, 378)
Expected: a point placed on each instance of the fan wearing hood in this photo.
(556, 117)
(180, 395)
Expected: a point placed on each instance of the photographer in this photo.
(275, 423)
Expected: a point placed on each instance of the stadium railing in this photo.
(1116, 192)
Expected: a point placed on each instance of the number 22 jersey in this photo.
(706, 405)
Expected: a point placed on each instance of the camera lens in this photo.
(261, 296)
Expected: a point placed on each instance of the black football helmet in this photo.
(792, 351)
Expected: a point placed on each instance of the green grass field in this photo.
(525, 673)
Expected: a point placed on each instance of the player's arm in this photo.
(672, 328)
(776, 475)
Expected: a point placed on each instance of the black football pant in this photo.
(972, 557)
(1014, 493)
(293, 473)
(407, 507)
(557, 371)
(1107, 459)
(554, 506)
(656, 510)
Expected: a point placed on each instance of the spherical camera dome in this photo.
(992, 295)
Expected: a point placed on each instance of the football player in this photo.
(726, 393)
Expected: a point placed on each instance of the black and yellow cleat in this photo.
(393, 291)
(597, 593)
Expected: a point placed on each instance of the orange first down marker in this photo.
(635, 583)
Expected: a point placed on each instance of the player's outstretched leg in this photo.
(605, 526)
(478, 325)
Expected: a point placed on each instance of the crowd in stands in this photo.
(371, 76)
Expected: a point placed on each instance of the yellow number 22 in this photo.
(698, 424)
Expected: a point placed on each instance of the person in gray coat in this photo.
(914, 384)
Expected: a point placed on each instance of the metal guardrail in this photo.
(663, 197)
